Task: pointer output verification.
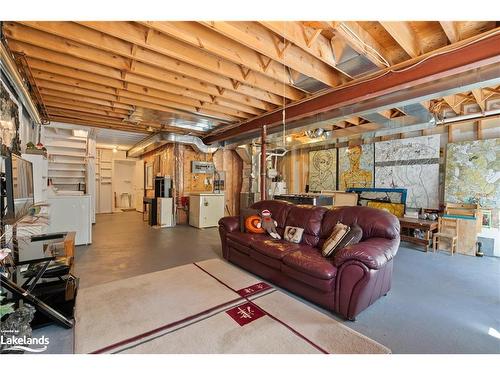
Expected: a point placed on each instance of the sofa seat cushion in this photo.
(326, 286)
(309, 261)
(241, 241)
(276, 249)
(245, 238)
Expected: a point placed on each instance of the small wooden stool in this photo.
(447, 228)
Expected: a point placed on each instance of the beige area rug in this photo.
(206, 307)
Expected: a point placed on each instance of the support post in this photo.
(263, 149)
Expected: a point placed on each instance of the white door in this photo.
(138, 185)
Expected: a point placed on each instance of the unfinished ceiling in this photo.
(197, 77)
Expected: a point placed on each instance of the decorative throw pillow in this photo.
(351, 238)
(244, 213)
(339, 232)
(293, 234)
(253, 224)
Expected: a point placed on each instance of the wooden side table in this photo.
(427, 226)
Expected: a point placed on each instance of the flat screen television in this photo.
(19, 188)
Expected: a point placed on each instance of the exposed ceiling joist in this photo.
(213, 73)
(103, 112)
(145, 94)
(404, 35)
(449, 62)
(363, 43)
(451, 31)
(89, 45)
(479, 98)
(234, 56)
(84, 104)
(257, 37)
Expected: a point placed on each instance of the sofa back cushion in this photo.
(373, 222)
(309, 218)
(279, 211)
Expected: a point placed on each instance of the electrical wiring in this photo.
(373, 52)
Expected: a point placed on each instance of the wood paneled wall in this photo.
(294, 167)
(230, 162)
(175, 160)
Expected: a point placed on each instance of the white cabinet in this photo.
(40, 173)
(165, 212)
(205, 209)
(72, 213)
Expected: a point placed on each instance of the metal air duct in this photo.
(156, 140)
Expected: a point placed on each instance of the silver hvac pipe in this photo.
(158, 139)
(191, 140)
(472, 116)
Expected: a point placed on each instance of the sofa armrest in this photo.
(230, 223)
(375, 252)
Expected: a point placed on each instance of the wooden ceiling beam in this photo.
(404, 35)
(479, 98)
(42, 67)
(259, 38)
(451, 31)
(73, 108)
(183, 103)
(50, 67)
(309, 39)
(443, 64)
(43, 84)
(229, 53)
(48, 36)
(78, 103)
(454, 103)
(363, 43)
(151, 77)
(114, 123)
(124, 126)
(98, 124)
(84, 98)
(177, 55)
(126, 98)
(80, 114)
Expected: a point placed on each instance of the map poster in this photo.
(411, 163)
(323, 170)
(473, 173)
(356, 166)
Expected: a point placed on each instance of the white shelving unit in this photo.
(104, 191)
(67, 158)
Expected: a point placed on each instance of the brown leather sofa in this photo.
(347, 283)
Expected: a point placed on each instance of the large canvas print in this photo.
(356, 166)
(9, 116)
(413, 164)
(323, 170)
(473, 173)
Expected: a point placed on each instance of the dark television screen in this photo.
(19, 179)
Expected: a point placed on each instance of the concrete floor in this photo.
(124, 246)
(438, 303)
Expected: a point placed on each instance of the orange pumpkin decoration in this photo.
(251, 224)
